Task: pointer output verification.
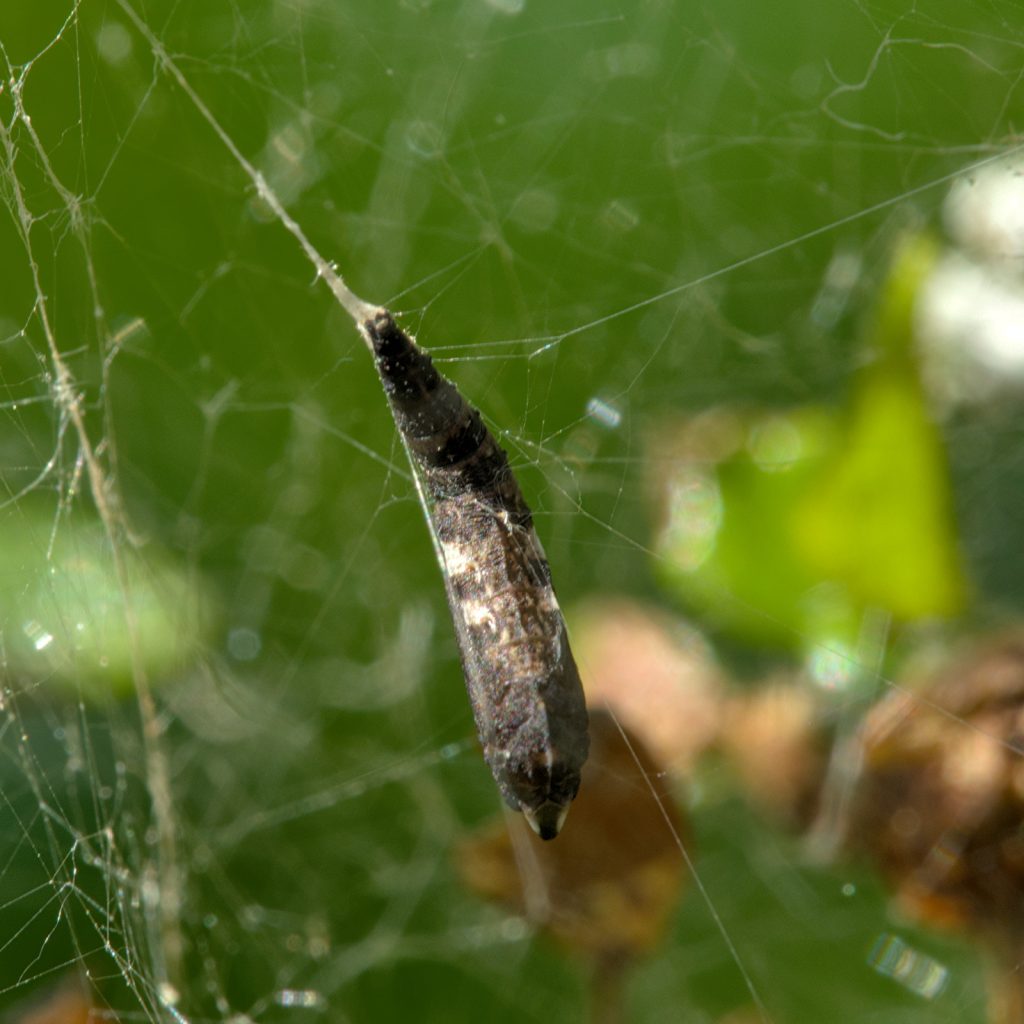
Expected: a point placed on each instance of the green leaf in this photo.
(879, 518)
(806, 519)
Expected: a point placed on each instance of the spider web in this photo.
(236, 749)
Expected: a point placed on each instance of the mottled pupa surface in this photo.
(523, 683)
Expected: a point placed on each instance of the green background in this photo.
(637, 202)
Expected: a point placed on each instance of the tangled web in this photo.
(237, 757)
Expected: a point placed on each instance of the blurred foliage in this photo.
(840, 511)
(639, 204)
(74, 613)
(881, 518)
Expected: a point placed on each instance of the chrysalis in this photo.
(522, 680)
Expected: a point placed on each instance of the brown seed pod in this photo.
(520, 674)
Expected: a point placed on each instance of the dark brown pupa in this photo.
(523, 683)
